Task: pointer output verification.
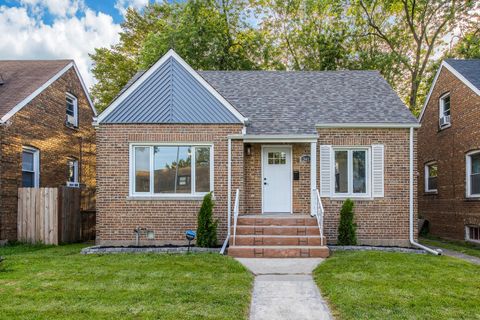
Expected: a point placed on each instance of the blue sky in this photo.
(61, 29)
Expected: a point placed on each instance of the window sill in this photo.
(166, 198)
(343, 198)
(75, 128)
(472, 198)
(430, 193)
(444, 127)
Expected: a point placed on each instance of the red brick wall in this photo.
(118, 215)
(253, 179)
(381, 221)
(40, 124)
(449, 210)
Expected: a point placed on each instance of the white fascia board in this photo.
(39, 90)
(275, 138)
(369, 125)
(152, 69)
(456, 74)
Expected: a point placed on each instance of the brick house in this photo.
(287, 143)
(46, 133)
(449, 152)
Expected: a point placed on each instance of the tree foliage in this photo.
(207, 227)
(403, 39)
(347, 229)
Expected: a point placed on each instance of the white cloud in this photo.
(61, 8)
(123, 5)
(68, 37)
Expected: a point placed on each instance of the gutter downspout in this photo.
(412, 239)
(229, 194)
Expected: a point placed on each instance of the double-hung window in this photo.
(171, 170)
(472, 233)
(71, 110)
(30, 168)
(444, 111)
(473, 174)
(431, 172)
(72, 172)
(351, 170)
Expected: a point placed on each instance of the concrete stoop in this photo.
(260, 236)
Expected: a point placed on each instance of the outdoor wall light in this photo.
(248, 149)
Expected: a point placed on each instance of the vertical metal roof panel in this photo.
(171, 95)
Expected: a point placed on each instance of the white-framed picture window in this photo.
(444, 111)
(473, 174)
(30, 167)
(171, 169)
(472, 233)
(351, 172)
(431, 177)
(72, 172)
(71, 110)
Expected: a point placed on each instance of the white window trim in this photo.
(168, 196)
(467, 234)
(441, 106)
(368, 173)
(36, 164)
(426, 176)
(468, 162)
(75, 166)
(75, 111)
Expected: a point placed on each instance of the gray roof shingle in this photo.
(470, 69)
(293, 102)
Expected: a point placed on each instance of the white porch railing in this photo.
(235, 217)
(318, 213)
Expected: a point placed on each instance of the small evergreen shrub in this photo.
(347, 229)
(207, 227)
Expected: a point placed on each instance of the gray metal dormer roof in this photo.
(170, 93)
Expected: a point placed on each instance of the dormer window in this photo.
(72, 111)
(444, 111)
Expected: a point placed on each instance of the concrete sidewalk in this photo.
(284, 289)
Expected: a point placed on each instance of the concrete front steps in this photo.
(271, 236)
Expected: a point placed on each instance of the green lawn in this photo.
(39, 282)
(456, 245)
(382, 285)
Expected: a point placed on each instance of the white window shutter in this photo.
(378, 170)
(325, 170)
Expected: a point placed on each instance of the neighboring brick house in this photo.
(46, 133)
(282, 139)
(449, 152)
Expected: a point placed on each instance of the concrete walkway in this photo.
(284, 289)
(459, 255)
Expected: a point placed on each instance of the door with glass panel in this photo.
(277, 180)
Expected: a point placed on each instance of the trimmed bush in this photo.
(207, 227)
(347, 229)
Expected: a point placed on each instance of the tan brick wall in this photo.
(117, 215)
(381, 221)
(449, 211)
(253, 179)
(40, 124)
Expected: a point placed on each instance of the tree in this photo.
(347, 229)
(207, 227)
(468, 47)
(208, 34)
(413, 30)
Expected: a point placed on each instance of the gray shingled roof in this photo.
(287, 102)
(170, 95)
(470, 69)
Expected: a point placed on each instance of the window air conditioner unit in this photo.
(444, 121)
(73, 184)
(70, 120)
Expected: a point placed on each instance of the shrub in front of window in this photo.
(207, 227)
(347, 229)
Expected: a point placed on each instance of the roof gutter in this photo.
(411, 222)
(369, 125)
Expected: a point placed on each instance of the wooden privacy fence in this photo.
(51, 216)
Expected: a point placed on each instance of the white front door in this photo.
(277, 179)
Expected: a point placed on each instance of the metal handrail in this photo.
(319, 212)
(235, 214)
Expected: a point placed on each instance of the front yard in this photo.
(381, 285)
(58, 283)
